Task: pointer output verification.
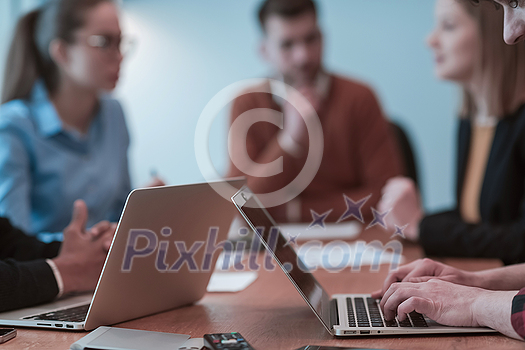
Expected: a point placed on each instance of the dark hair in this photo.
(28, 58)
(284, 8)
(477, 2)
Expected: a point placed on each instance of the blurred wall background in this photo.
(188, 50)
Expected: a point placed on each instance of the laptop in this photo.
(150, 266)
(341, 314)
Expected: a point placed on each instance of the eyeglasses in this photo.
(107, 43)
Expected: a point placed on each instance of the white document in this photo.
(337, 256)
(331, 231)
(343, 230)
(230, 281)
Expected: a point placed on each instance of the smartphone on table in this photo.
(7, 334)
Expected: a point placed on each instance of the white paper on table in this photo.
(344, 230)
(338, 259)
(230, 281)
(227, 260)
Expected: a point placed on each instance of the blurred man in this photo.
(360, 152)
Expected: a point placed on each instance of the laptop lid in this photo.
(263, 224)
(164, 251)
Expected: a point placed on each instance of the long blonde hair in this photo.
(502, 65)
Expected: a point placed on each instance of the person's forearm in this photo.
(15, 244)
(502, 278)
(70, 272)
(493, 309)
(25, 284)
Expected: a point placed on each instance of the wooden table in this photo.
(271, 315)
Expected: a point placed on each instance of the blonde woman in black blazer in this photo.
(489, 218)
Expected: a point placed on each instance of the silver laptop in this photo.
(341, 314)
(162, 257)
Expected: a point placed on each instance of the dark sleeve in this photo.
(26, 284)
(15, 244)
(26, 279)
(518, 313)
(446, 234)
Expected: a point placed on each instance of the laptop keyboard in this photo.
(372, 317)
(74, 314)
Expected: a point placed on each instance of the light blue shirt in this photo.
(44, 167)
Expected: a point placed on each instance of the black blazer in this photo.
(501, 234)
(25, 277)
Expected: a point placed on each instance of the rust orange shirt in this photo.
(360, 152)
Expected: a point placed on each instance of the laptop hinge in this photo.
(334, 313)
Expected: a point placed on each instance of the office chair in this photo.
(406, 152)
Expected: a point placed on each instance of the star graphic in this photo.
(379, 219)
(399, 231)
(353, 209)
(292, 240)
(318, 219)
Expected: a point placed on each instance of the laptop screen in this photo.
(260, 220)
